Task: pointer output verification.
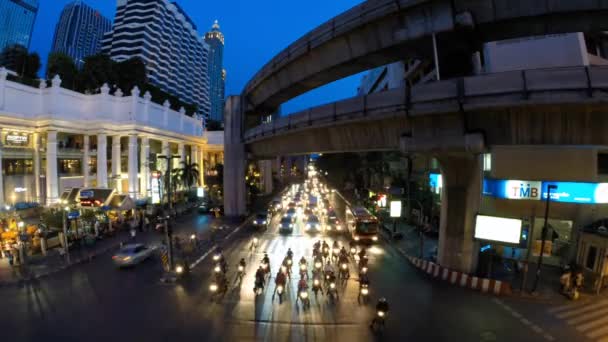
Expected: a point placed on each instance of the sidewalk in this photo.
(40, 266)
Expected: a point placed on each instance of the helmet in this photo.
(382, 300)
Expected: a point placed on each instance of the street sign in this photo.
(86, 193)
(73, 215)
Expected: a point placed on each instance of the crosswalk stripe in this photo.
(588, 316)
(598, 332)
(595, 323)
(567, 307)
(582, 310)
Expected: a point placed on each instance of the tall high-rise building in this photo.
(217, 74)
(165, 38)
(17, 22)
(79, 31)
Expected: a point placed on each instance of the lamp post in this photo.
(65, 231)
(544, 234)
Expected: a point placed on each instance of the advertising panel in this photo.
(567, 192)
(395, 208)
(498, 229)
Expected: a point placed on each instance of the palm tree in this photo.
(188, 174)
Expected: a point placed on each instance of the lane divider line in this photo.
(199, 260)
(537, 329)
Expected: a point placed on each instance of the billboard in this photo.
(567, 192)
(498, 229)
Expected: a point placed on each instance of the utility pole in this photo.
(544, 235)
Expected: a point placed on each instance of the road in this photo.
(98, 302)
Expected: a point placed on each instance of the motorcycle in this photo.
(303, 271)
(335, 254)
(280, 290)
(378, 322)
(363, 293)
(240, 273)
(317, 269)
(304, 298)
(344, 273)
(325, 253)
(254, 244)
(353, 252)
(316, 285)
(258, 287)
(332, 291)
(266, 268)
(218, 288)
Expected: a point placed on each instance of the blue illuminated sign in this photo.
(566, 192)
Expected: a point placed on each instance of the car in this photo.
(312, 223)
(132, 254)
(286, 225)
(291, 205)
(291, 213)
(333, 223)
(261, 220)
(275, 205)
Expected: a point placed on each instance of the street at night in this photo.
(132, 304)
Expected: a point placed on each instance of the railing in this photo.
(57, 103)
(513, 88)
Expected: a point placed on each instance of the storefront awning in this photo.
(122, 203)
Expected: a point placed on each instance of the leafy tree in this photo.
(130, 73)
(97, 70)
(62, 65)
(188, 174)
(17, 58)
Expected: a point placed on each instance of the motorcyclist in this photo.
(243, 263)
(317, 245)
(259, 275)
(289, 253)
(382, 305)
(302, 261)
(287, 267)
(343, 252)
(335, 245)
(343, 259)
(266, 259)
(362, 254)
(325, 246)
(280, 280)
(328, 270)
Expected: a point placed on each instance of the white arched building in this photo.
(53, 138)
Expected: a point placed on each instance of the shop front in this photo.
(572, 206)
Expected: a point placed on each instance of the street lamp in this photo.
(544, 234)
(65, 231)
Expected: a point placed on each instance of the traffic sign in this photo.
(73, 214)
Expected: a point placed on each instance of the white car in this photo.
(132, 254)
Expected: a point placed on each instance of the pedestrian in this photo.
(96, 227)
(133, 224)
(146, 223)
(141, 223)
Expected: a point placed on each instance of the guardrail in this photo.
(513, 88)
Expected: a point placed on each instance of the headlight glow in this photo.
(381, 313)
(213, 287)
(304, 295)
(332, 285)
(364, 291)
(240, 268)
(217, 269)
(179, 269)
(375, 238)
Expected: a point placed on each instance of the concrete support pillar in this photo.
(116, 166)
(265, 167)
(1, 180)
(36, 146)
(85, 161)
(102, 160)
(144, 166)
(235, 159)
(52, 182)
(201, 166)
(132, 166)
(461, 197)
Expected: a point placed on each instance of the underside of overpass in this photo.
(453, 121)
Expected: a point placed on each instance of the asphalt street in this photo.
(96, 301)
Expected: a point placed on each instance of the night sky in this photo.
(255, 31)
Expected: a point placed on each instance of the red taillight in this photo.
(114, 257)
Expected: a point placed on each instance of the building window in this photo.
(70, 166)
(602, 163)
(487, 161)
(17, 167)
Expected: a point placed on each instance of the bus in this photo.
(362, 225)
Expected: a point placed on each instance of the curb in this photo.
(483, 285)
(78, 261)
